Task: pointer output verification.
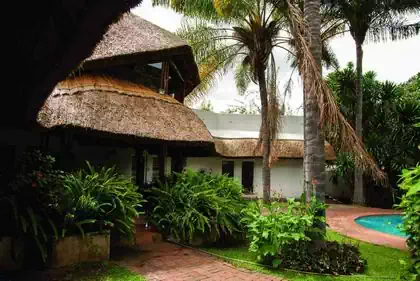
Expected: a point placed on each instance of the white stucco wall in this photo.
(224, 125)
(210, 164)
(286, 175)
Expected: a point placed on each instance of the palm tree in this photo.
(377, 20)
(314, 162)
(241, 35)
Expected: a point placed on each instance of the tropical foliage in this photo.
(392, 143)
(283, 236)
(101, 199)
(47, 204)
(410, 203)
(377, 20)
(191, 205)
(270, 233)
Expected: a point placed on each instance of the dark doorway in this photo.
(248, 176)
(138, 165)
(227, 168)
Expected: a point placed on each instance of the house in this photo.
(123, 106)
(237, 154)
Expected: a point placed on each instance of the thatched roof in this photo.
(113, 106)
(133, 34)
(50, 39)
(135, 40)
(244, 148)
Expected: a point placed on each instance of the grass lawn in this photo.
(383, 262)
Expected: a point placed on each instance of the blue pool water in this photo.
(386, 223)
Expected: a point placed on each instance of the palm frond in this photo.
(329, 59)
(215, 49)
(392, 27)
(242, 76)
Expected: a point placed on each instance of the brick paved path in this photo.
(157, 260)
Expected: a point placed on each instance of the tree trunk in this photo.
(266, 144)
(359, 196)
(314, 163)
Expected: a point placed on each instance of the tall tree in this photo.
(377, 20)
(314, 162)
(242, 35)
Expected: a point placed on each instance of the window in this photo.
(248, 176)
(227, 168)
(155, 169)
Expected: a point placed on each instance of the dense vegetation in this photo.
(382, 262)
(191, 206)
(410, 203)
(390, 112)
(287, 238)
(46, 204)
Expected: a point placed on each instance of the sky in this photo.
(395, 61)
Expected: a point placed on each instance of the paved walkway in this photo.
(157, 260)
(341, 218)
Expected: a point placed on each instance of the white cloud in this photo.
(394, 61)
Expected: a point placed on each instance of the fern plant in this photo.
(192, 205)
(101, 199)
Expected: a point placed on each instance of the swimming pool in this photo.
(384, 223)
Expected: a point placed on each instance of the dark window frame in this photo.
(228, 168)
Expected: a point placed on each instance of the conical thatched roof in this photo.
(133, 34)
(135, 40)
(113, 106)
(244, 148)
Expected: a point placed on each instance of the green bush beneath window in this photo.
(191, 206)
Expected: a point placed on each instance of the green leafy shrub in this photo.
(283, 236)
(101, 199)
(271, 231)
(334, 258)
(197, 205)
(410, 203)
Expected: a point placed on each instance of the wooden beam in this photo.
(164, 82)
(140, 166)
(162, 161)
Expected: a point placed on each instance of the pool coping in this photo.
(342, 220)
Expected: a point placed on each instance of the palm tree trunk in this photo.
(266, 144)
(314, 162)
(359, 196)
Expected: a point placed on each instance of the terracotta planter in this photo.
(74, 249)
